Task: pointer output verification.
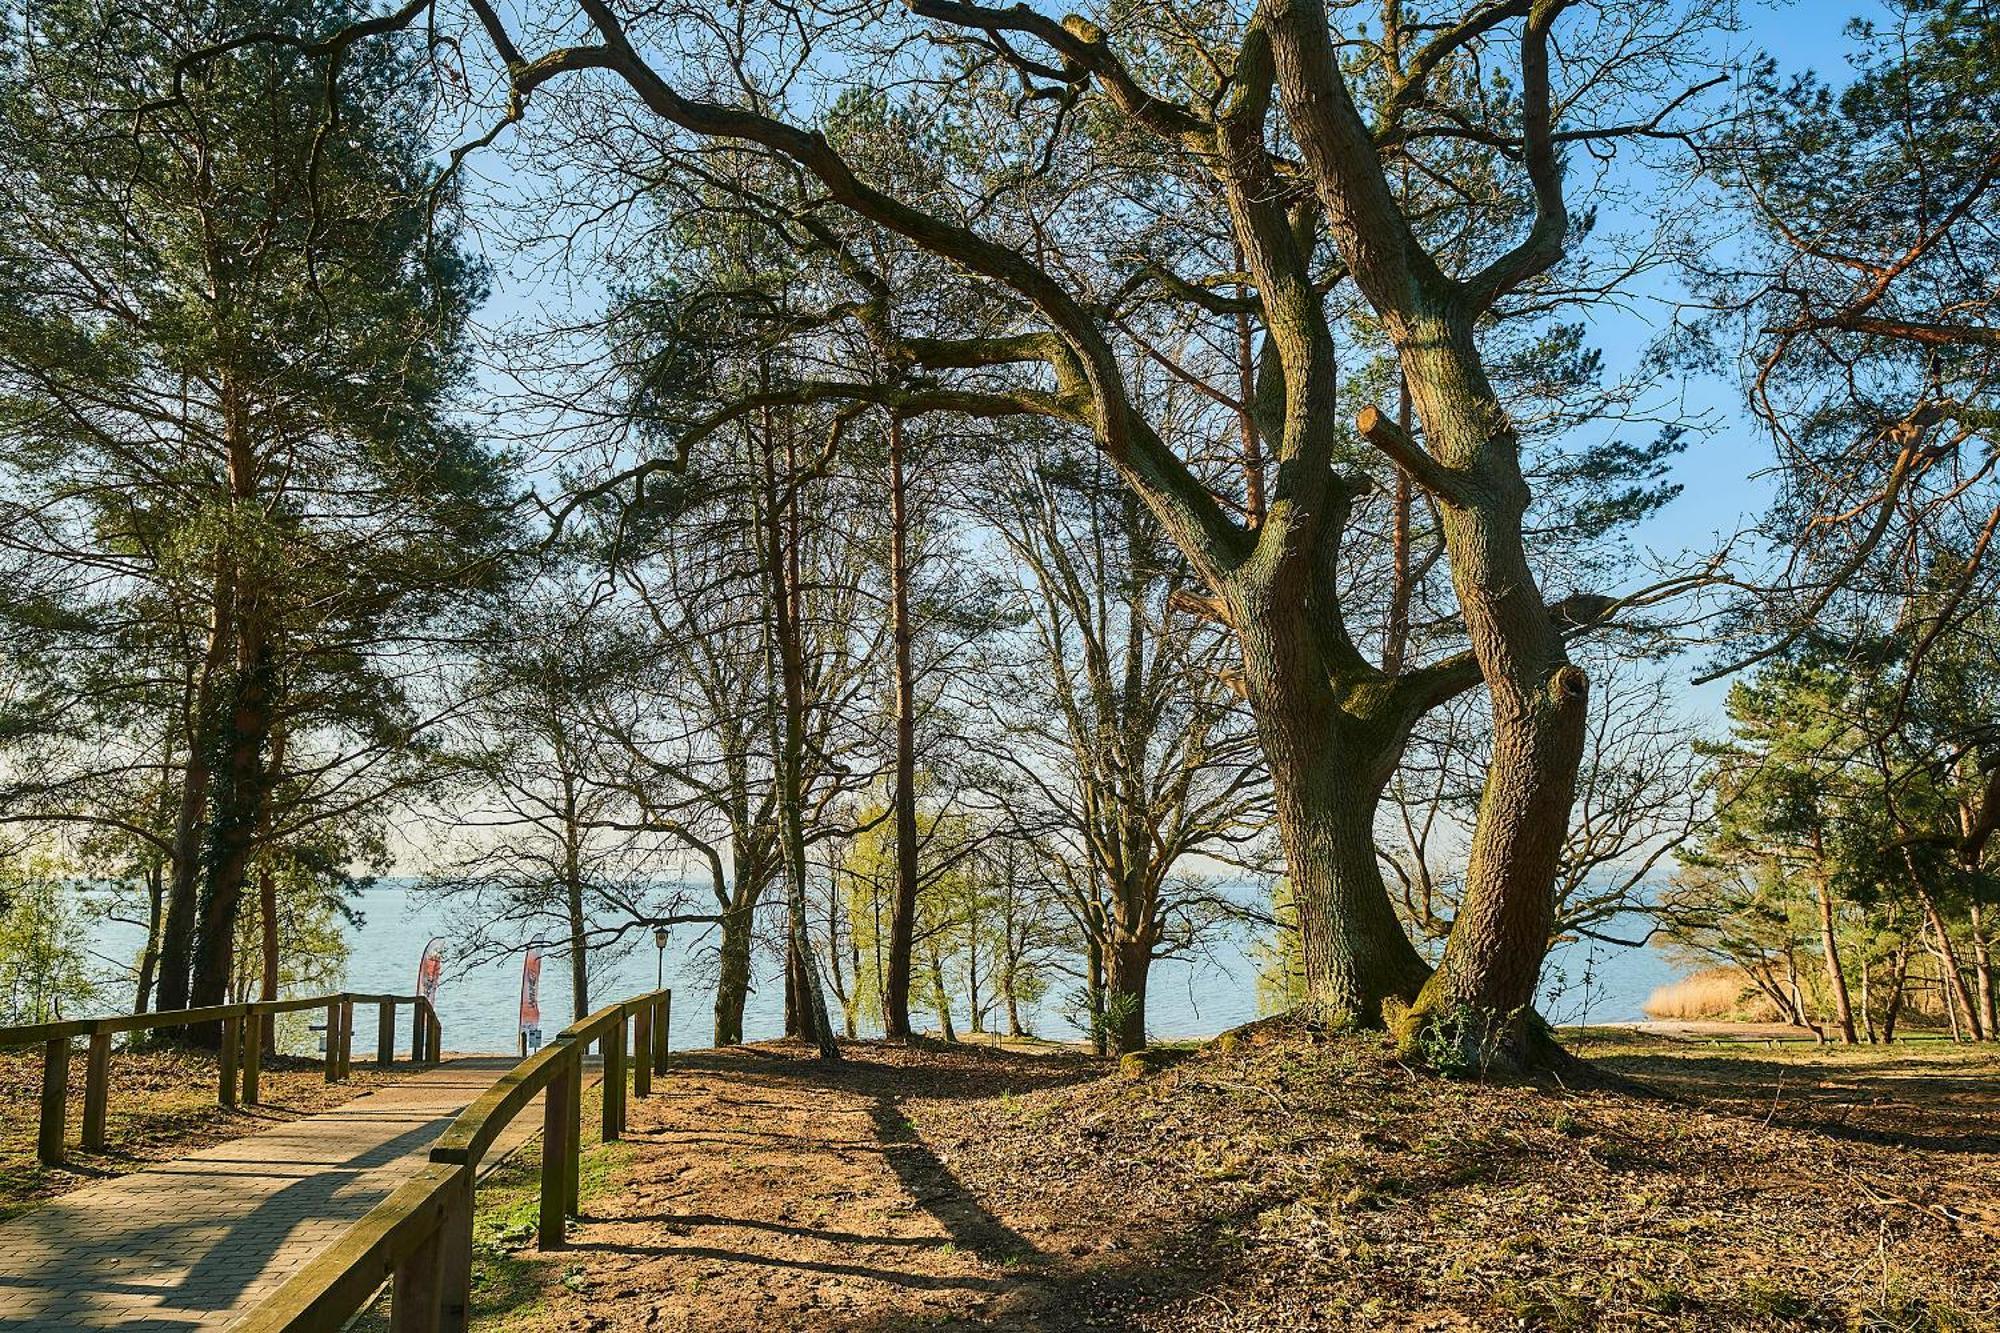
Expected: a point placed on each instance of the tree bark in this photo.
(1836, 979)
(941, 998)
(267, 899)
(1129, 960)
(235, 814)
(783, 542)
(1327, 773)
(1954, 978)
(732, 984)
(1982, 971)
(1493, 957)
(1898, 979)
(903, 904)
(177, 930)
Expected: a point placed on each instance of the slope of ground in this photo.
(1300, 1184)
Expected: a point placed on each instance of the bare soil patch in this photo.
(162, 1105)
(1299, 1184)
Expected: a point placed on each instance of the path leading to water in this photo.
(196, 1243)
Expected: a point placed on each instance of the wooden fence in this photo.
(419, 1239)
(240, 1055)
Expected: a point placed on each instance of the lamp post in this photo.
(660, 943)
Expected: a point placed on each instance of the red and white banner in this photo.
(531, 998)
(430, 970)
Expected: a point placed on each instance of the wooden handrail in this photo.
(240, 1053)
(396, 1231)
(421, 1235)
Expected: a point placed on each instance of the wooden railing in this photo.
(419, 1239)
(240, 1054)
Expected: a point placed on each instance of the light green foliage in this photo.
(1281, 969)
(44, 972)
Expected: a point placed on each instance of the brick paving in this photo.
(198, 1242)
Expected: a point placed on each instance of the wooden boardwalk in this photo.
(197, 1242)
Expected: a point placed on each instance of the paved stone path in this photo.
(198, 1242)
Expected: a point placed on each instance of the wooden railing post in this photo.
(96, 1091)
(385, 1033)
(55, 1100)
(225, 1061)
(614, 1076)
(573, 1165)
(416, 1032)
(346, 1038)
(455, 1256)
(434, 1044)
(415, 1302)
(558, 1127)
(642, 1051)
(253, 1052)
(333, 1042)
(660, 1029)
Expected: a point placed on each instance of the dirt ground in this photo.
(162, 1105)
(1301, 1184)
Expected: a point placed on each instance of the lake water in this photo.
(1188, 998)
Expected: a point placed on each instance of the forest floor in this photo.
(1291, 1183)
(161, 1106)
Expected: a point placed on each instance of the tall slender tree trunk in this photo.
(1093, 989)
(177, 928)
(1956, 990)
(236, 812)
(941, 997)
(1982, 972)
(267, 898)
(149, 958)
(241, 789)
(1898, 980)
(783, 542)
(903, 904)
(578, 926)
(1829, 941)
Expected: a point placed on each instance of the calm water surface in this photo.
(1196, 997)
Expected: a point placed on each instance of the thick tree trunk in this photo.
(1359, 964)
(177, 929)
(1129, 960)
(732, 983)
(903, 904)
(1484, 990)
(236, 813)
